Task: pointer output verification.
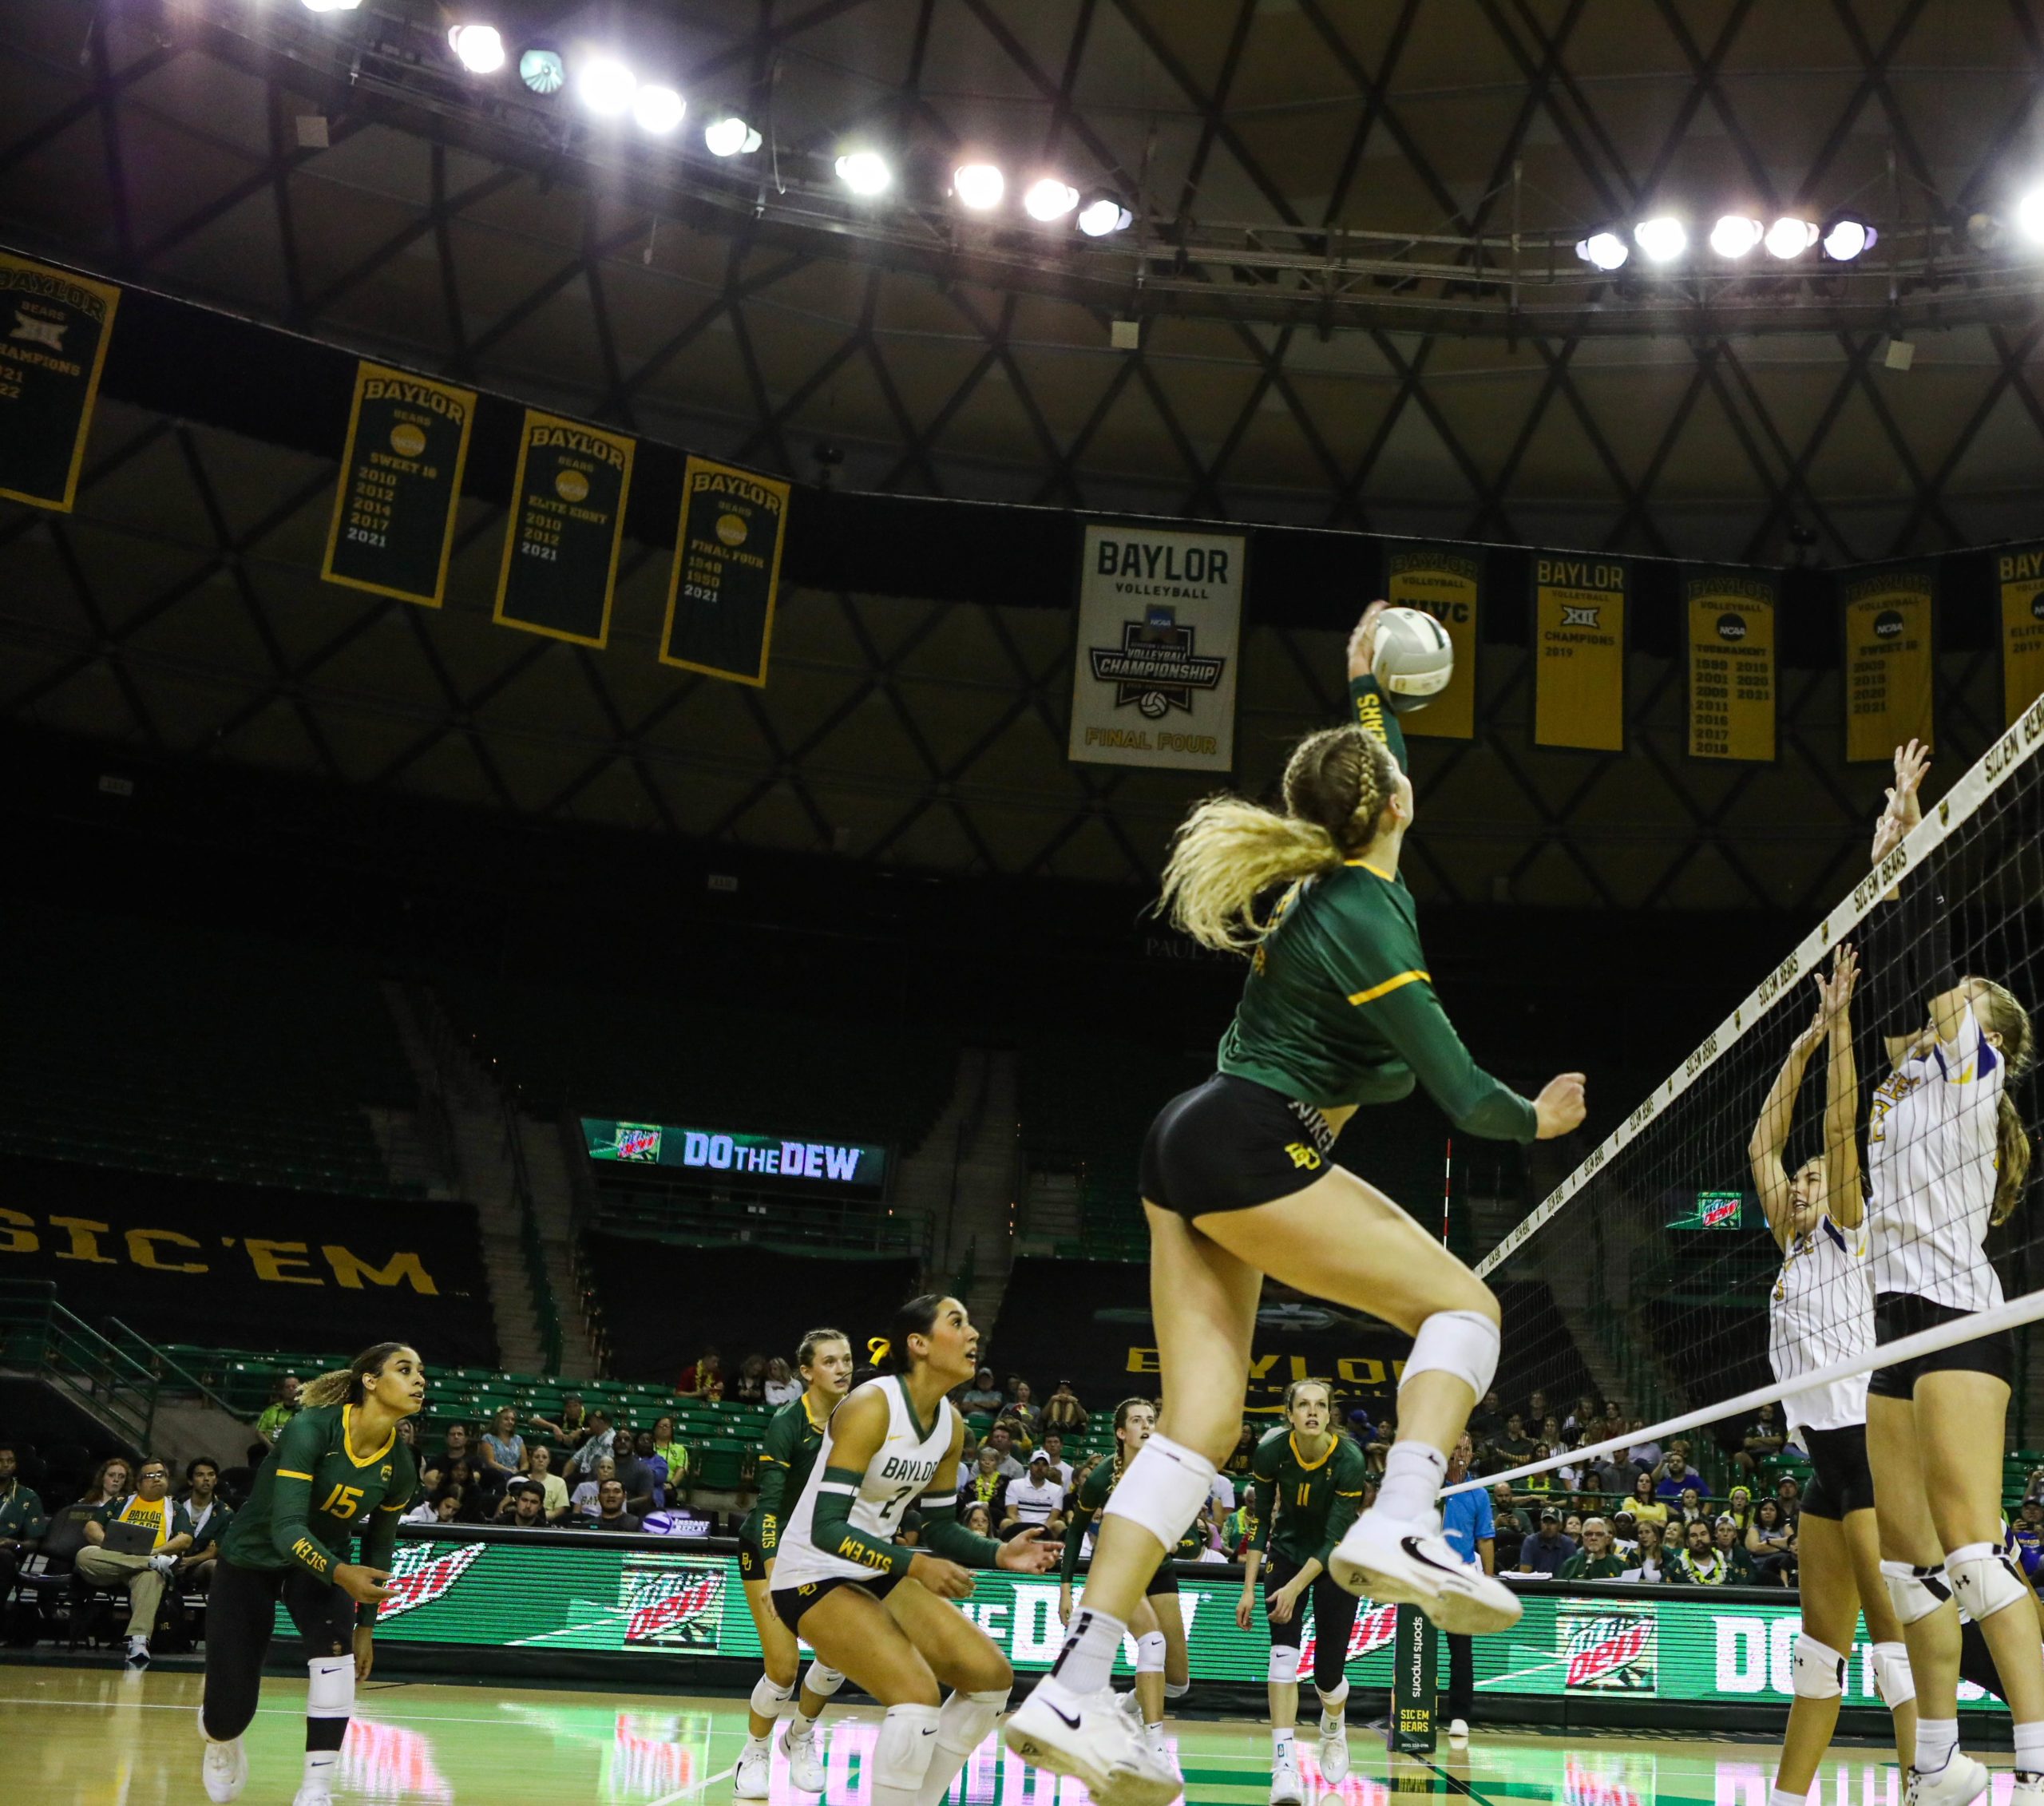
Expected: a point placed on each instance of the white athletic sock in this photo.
(319, 1767)
(758, 1746)
(1412, 1474)
(1087, 1659)
(1781, 1797)
(1936, 1738)
(2029, 1747)
(1281, 1742)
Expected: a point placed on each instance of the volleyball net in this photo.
(1657, 1271)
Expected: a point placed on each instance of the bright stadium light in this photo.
(1789, 237)
(606, 86)
(1049, 200)
(1661, 238)
(657, 108)
(1734, 235)
(331, 5)
(1603, 251)
(865, 172)
(730, 134)
(1847, 237)
(1103, 213)
(480, 48)
(2030, 215)
(978, 185)
(542, 71)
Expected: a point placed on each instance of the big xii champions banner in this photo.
(400, 481)
(2021, 577)
(566, 522)
(1443, 583)
(1159, 632)
(1888, 659)
(1731, 616)
(1579, 652)
(54, 329)
(727, 569)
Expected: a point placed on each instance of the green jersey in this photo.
(793, 1440)
(1092, 1494)
(1339, 1007)
(1583, 1565)
(311, 1492)
(1303, 1507)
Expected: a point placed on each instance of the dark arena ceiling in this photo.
(1356, 303)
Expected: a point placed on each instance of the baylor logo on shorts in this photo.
(1302, 1156)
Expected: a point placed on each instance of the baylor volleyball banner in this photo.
(1444, 583)
(727, 569)
(566, 522)
(1731, 645)
(54, 329)
(401, 480)
(2022, 575)
(1153, 682)
(1888, 659)
(1579, 652)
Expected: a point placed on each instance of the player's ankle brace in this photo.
(1914, 1593)
(901, 1753)
(1463, 1343)
(1150, 1653)
(1983, 1580)
(1162, 1489)
(1817, 1670)
(769, 1695)
(1893, 1675)
(821, 1680)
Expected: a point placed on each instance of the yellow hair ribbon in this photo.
(877, 1348)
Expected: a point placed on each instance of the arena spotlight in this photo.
(977, 185)
(1049, 200)
(657, 109)
(331, 5)
(1604, 251)
(1103, 215)
(1789, 237)
(479, 48)
(1662, 239)
(2030, 215)
(865, 172)
(1735, 234)
(730, 134)
(542, 71)
(1847, 237)
(605, 85)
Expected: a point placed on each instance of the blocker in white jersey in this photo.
(1822, 1311)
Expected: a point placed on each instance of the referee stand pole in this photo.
(1415, 1646)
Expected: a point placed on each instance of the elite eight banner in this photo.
(1153, 679)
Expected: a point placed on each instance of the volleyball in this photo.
(1414, 658)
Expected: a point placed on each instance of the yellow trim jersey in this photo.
(312, 1494)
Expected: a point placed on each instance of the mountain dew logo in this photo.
(670, 1604)
(1371, 1631)
(422, 1572)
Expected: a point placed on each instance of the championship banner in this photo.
(54, 329)
(1579, 641)
(1153, 682)
(2022, 576)
(1887, 661)
(401, 478)
(567, 523)
(1443, 583)
(726, 570)
(1732, 685)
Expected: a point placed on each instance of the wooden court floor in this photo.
(72, 1736)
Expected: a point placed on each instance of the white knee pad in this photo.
(822, 1681)
(1894, 1679)
(1984, 1579)
(1914, 1593)
(1150, 1653)
(769, 1695)
(1177, 1689)
(1164, 1489)
(1463, 1343)
(330, 1687)
(1818, 1669)
(963, 1725)
(902, 1752)
(1284, 1665)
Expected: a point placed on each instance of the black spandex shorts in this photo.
(1897, 1314)
(790, 1603)
(1333, 1615)
(1230, 1144)
(1842, 1482)
(751, 1559)
(1164, 1580)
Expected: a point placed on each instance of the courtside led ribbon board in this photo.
(401, 480)
(54, 329)
(1153, 681)
(1732, 684)
(1888, 659)
(727, 569)
(566, 522)
(2022, 575)
(1579, 652)
(1443, 583)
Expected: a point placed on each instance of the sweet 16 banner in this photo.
(1153, 681)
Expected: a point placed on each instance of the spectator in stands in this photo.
(2027, 1532)
(1643, 1454)
(1624, 1536)
(1537, 1486)
(1238, 1529)
(1738, 1564)
(750, 1388)
(1767, 1541)
(1698, 1563)
(1652, 1560)
(454, 1445)
(587, 1497)
(553, 1489)
(1693, 1509)
(1613, 1425)
(524, 1506)
(1647, 1507)
(1037, 1498)
(282, 1407)
(200, 1517)
(109, 1481)
(1742, 1508)
(1536, 1406)
(978, 1519)
(600, 1444)
(1577, 1425)
(611, 1514)
(1788, 1495)
(1512, 1525)
(569, 1433)
(1515, 1444)
(1243, 1455)
(983, 1484)
(427, 1510)
(1676, 1476)
(22, 1520)
(1572, 1528)
(1000, 1439)
(783, 1387)
(707, 1365)
(1547, 1549)
(1596, 1559)
(1064, 1412)
(1550, 1434)
(982, 1395)
(143, 1575)
(632, 1474)
(1053, 1447)
(408, 1433)
(503, 1449)
(452, 1506)
(1611, 1475)
(713, 1389)
(1487, 1421)
(670, 1451)
(654, 1465)
(1763, 1441)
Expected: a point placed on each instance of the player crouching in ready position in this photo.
(877, 1611)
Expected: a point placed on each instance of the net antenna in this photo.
(1653, 1277)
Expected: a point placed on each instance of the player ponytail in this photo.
(1229, 851)
(1121, 1423)
(915, 1317)
(345, 1385)
(1995, 1008)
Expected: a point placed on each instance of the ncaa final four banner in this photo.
(727, 572)
(1888, 659)
(566, 522)
(401, 482)
(1153, 681)
(1579, 651)
(1443, 583)
(54, 329)
(1731, 647)
(2021, 575)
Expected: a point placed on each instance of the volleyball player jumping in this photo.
(1338, 1012)
(794, 1437)
(877, 1611)
(1822, 1311)
(1946, 1158)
